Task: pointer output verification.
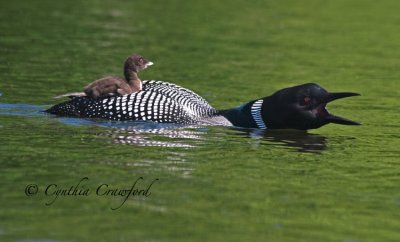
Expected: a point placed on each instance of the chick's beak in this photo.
(149, 63)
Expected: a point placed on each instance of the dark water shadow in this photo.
(296, 140)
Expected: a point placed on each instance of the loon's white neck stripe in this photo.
(256, 114)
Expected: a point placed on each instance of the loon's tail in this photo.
(71, 95)
(68, 108)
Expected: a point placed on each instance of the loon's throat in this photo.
(247, 115)
(256, 113)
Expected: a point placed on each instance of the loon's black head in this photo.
(302, 107)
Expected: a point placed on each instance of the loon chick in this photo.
(299, 107)
(114, 86)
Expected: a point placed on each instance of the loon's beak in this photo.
(336, 119)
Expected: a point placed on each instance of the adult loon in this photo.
(299, 107)
(114, 86)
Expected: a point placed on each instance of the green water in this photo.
(336, 183)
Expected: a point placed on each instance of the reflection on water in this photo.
(174, 135)
(300, 140)
(143, 133)
(178, 137)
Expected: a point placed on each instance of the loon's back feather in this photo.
(159, 101)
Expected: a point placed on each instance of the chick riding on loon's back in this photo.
(114, 86)
(299, 107)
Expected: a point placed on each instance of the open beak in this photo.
(336, 119)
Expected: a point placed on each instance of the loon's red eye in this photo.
(306, 100)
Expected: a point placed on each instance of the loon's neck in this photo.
(246, 115)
